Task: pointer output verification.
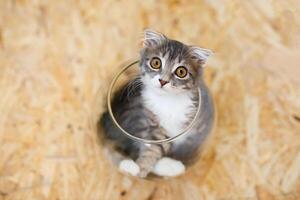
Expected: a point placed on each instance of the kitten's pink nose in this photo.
(162, 82)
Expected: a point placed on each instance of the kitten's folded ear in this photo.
(200, 54)
(152, 38)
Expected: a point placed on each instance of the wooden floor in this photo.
(57, 59)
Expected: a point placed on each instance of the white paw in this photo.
(169, 167)
(130, 167)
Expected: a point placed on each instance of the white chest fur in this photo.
(171, 109)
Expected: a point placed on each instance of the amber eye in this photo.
(181, 72)
(155, 63)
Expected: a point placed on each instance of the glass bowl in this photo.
(148, 154)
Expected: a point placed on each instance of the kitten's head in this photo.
(169, 65)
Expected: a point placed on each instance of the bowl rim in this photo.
(138, 139)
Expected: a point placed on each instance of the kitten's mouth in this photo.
(165, 89)
(161, 89)
(172, 90)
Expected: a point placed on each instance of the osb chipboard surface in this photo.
(57, 59)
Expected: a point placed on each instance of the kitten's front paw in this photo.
(130, 167)
(169, 167)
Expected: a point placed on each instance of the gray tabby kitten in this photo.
(159, 104)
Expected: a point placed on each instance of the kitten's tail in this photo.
(150, 155)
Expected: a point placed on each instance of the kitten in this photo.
(159, 104)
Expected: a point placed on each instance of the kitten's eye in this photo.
(181, 72)
(155, 63)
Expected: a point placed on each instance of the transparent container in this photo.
(137, 143)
